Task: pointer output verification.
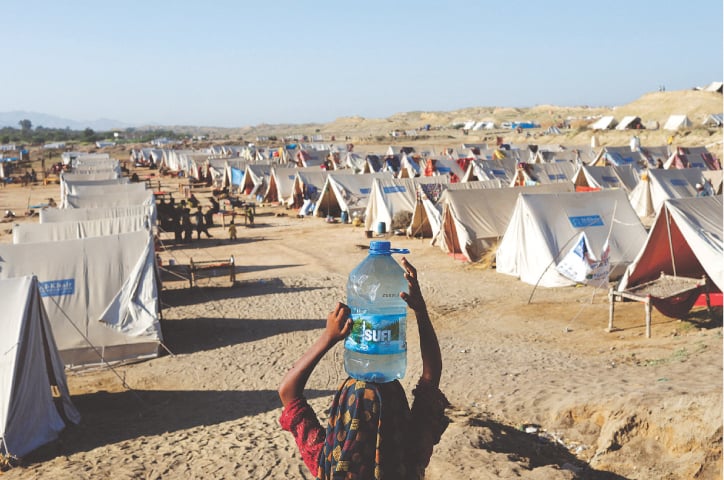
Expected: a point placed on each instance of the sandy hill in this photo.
(655, 106)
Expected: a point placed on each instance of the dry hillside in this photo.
(655, 106)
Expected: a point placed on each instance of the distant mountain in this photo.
(11, 119)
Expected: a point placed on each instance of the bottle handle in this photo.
(403, 251)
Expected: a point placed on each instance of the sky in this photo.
(230, 63)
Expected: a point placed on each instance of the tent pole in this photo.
(671, 246)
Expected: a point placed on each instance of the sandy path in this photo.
(633, 407)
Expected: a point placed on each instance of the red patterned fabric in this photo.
(371, 433)
(299, 419)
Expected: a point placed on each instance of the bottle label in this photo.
(376, 335)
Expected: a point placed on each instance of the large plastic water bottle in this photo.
(376, 348)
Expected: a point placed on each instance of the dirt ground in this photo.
(539, 389)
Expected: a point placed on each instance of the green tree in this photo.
(25, 125)
(89, 134)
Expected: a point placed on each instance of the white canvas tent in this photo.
(629, 122)
(544, 227)
(620, 156)
(59, 231)
(474, 220)
(50, 215)
(685, 240)
(675, 122)
(348, 193)
(133, 190)
(30, 371)
(503, 170)
(281, 185)
(256, 177)
(604, 123)
(391, 196)
(544, 174)
(69, 186)
(714, 120)
(112, 199)
(658, 185)
(84, 177)
(92, 283)
(606, 177)
(692, 157)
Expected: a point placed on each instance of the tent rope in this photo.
(97, 352)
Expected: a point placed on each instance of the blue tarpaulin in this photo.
(237, 176)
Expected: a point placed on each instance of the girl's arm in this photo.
(338, 326)
(429, 347)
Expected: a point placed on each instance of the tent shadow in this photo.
(536, 451)
(241, 289)
(109, 418)
(189, 335)
(261, 268)
(702, 318)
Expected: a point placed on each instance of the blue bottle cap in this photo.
(382, 247)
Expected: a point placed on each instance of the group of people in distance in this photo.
(177, 218)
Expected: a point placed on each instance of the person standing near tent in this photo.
(201, 224)
(186, 226)
(372, 432)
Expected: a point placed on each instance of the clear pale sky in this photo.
(236, 63)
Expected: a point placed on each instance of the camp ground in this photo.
(345, 193)
(545, 227)
(35, 404)
(605, 177)
(473, 220)
(683, 247)
(392, 196)
(101, 294)
(659, 184)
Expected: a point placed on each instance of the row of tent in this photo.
(79, 288)
(227, 166)
(673, 123)
(530, 229)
